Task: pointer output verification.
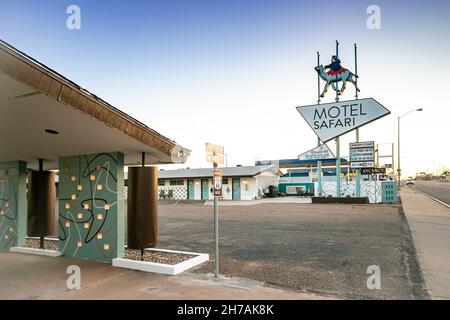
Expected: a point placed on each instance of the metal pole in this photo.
(399, 170)
(319, 163)
(338, 168)
(338, 153)
(336, 83)
(356, 71)
(378, 156)
(319, 174)
(216, 234)
(358, 171)
(393, 161)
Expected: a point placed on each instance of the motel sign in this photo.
(331, 120)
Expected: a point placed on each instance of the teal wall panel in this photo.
(13, 215)
(91, 206)
(389, 192)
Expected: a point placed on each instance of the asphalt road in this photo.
(438, 190)
(323, 249)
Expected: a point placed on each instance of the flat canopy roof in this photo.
(296, 163)
(35, 98)
(208, 172)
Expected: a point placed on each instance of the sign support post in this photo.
(338, 153)
(319, 163)
(215, 154)
(216, 229)
(319, 174)
(358, 171)
(338, 168)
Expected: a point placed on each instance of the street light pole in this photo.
(399, 170)
(398, 154)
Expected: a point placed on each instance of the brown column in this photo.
(41, 204)
(142, 212)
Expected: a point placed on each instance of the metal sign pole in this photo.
(215, 155)
(216, 232)
(319, 163)
(338, 153)
(358, 171)
(338, 168)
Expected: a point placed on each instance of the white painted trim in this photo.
(168, 269)
(39, 252)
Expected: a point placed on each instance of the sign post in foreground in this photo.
(215, 154)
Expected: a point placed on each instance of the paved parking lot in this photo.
(323, 249)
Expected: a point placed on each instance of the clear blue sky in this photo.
(232, 72)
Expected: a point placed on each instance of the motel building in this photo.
(300, 179)
(238, 183)
(298, 176)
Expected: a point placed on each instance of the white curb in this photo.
(168, 269)
(39, 252)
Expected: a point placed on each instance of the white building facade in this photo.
(238, 183)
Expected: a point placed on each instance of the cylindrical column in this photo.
(142, 212)
(41, 204)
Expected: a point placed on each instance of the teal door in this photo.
(205, 190)
(191, 187)
(236, 186)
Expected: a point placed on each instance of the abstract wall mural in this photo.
(370, 189)
(12, 204)
(91, 219)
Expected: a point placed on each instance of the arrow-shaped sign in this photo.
(321, 152)
(331, 120)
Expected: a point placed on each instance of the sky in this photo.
(232, 72)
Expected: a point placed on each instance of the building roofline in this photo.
(35, 74)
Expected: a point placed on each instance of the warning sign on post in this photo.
(217, 182)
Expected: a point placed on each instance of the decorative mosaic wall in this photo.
(91, 206)
(370, 189)
(12, 204)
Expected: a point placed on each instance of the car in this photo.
(409, 183)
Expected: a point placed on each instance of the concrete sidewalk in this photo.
(25, 276)
(429, 223)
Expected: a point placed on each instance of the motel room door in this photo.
(191, 187)
(236, 188)
(205, 190)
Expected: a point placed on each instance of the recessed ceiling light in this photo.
(50, 131)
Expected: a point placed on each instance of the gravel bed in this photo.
(48, 244)
(157, 256)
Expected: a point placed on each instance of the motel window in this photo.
(225, 181)
(161, 182)
(176, 182)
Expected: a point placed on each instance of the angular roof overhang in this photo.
(34, 98)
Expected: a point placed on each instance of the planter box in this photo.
(345, 200)
(168, 269)
(39, 252)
